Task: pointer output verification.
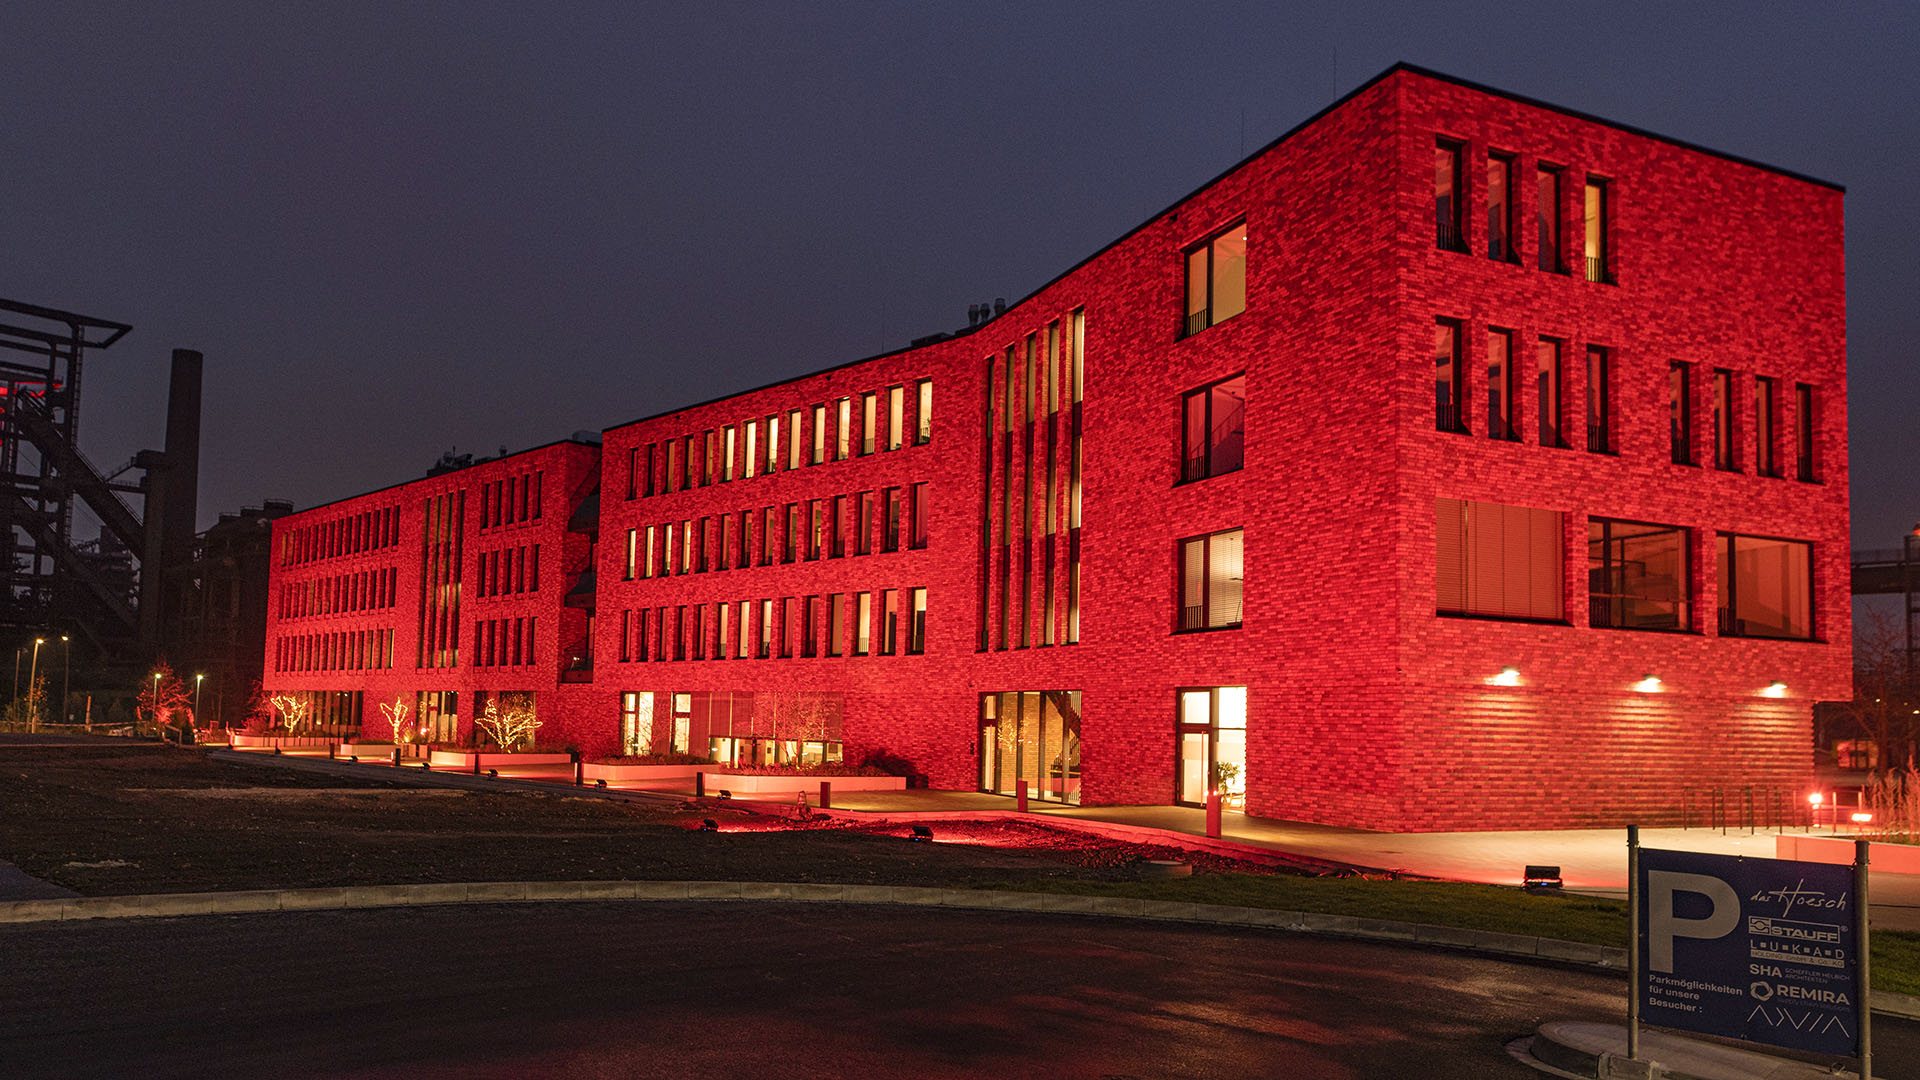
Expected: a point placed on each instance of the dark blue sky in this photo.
(399, 228)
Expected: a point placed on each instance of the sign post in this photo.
(1766, 950)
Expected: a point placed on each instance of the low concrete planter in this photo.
(382, 751)
(761, 784)
(243, 741)
(469, 760)
(640, 775)
(1882, 858)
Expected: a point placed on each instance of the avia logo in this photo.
(1812, 1023)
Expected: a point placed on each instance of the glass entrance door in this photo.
(1033, 736)
(1211, 746)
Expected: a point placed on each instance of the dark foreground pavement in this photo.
(751, 989)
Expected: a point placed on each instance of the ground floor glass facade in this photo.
(1031, 736)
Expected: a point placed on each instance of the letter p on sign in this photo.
(1663, 927)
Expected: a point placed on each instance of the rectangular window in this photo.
(1496, 560)
(1636, 575)
(808, 615)
(1723, 437)
(792, 551)
(673, 466)
(728, 451)
(773, 443)
(863, 523)
(686, 546)
(1599, 416)
(917, 536)
(1213, 422)
(1547, 359)
(816, 526)
(1765, 405)
(837, 528)
(723, 630)
(680, 632)
(1680, 412)
(862, 624)
(819, 434)
(1766, 587)
(763, 648)
(722, 551)
(784, 620)
(753, 449)
(843, 431)
(633, 552)
(1500, 204)
(896, 416)
(693, 464)
(917, 629)
(1212, 579)
(1803, 431)
(695, 617)
(712, 475)
(1448, 380)
(890, 520)
(869, 421)
(1500, 386)
(1547, 213)
(745, 633)
(1447, 192)
(889, 620)
(1216, 279)
(1599, 263)
(794, 441)
(836, 624)
(923, 418)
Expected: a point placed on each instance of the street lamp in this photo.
(33, 699)
(155, 708)
(196, 699)
(66, 676)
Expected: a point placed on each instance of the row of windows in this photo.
(814, 529)
(835, 624)
(512, 500)
(509, 571)
(369, 530)
(1768, 413)
(503, 642)
(340, 650)
(1030, 470)
(1505, 388)
(1508, 562)
(1504, 197)
(753, 447)
(442, 549)
(362, 590)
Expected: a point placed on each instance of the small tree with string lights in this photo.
(165, 700)
(509, 720)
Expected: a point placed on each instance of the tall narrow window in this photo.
(1547, 360)
(646, 554)
(1212, 578)
(784, 619)
(792, 551)
(1446, 197)
(808, 614)
(1500, 207)
(692, 460)
(723, 645)
(890, 520)
(1723, 437)
(889, 620)
(896, 416)
(1680, 412)
(1213, 429)
(819, 434)
(1500, 386)
(917, 629)
(836, 624)
(1764, 406)
(863, 523)
(923, 415)
(673, 467)
(713, 458)
(753, 449)
(728, 450)
(917, 533)
(773, 442)
(1599, 416)
(816, 526)
(1599, 261)
(763, 648)
(837, 528)
(1766, 587)
(843, 431)
(1497, 560)
(1636, 575)
(794, 441)
(863, 624)
(1216, 279)
(1547, 214)
(633, 552)
(1803, 431)
(722, 551)
(745, 632)
(1447, 376)
(869, 422)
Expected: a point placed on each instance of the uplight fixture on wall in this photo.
(1649, 684)
(1509, 676)
(1776, 688)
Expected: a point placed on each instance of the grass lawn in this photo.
(1896, 955)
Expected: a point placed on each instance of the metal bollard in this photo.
(826, 795)
(699, 784)
(1020, 795)
(1213, 814)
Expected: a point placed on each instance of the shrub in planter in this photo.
(829, 769)
(652, 759)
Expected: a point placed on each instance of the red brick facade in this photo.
(1364, 706)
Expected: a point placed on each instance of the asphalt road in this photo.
(776, 990)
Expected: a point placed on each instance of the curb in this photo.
(1486, 942)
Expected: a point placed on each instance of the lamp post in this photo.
(66, 676)
(196, 699)
(154, 708)
(33, 674)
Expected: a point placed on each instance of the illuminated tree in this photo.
(509, 720)
(396, 715)
(25, 710)
(165, 700)
(1883, 709)
(292, 709)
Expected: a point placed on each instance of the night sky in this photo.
(396, 229)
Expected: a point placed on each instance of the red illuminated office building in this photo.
(1456, 461)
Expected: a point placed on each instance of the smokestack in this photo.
(973, 319)
(182, 512)
(999, 306)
